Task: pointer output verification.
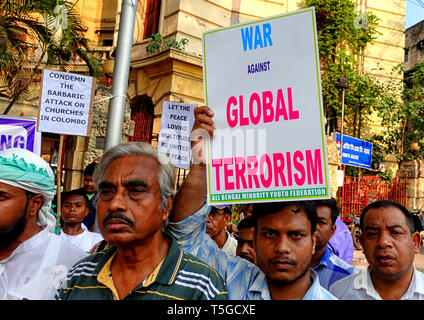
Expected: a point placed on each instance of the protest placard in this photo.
(174, 137)
(262, 79)
(66, 103)
(19, 132)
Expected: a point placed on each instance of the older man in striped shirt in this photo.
(135, 192)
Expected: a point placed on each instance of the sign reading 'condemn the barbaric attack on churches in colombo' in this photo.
(66, 103)
(265, 89)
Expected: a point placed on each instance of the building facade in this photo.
(176, 75)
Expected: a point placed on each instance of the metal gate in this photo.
(357, 193)
(142, 115)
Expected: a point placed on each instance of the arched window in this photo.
(142, 113)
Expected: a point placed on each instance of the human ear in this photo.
(34, 204)
(314, 241)
(166, 211)
(416, 239)
(333, 230)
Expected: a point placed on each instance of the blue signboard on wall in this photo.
(356, 152)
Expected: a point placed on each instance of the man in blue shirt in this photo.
(325, 263)
(284, 239)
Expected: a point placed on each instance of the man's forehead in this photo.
(74, 198)
(384, 216)
(131, 167)
(4, 187)
(287, 216)
(246, 233)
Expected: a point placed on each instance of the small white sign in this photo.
(65, 104)
(174, 137)
(340, 178)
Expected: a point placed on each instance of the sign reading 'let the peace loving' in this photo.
(262, 79)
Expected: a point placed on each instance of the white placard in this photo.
(340, 178)
(65, 104)
(262, 79)
(174, 137)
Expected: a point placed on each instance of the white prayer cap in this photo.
(26, 170)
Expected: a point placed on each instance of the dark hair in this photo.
(89, 169)
(29, 195)
(225, 209)
(246, 223)
(78, 192)
(386, 204)
(263, 209)
(332, 204)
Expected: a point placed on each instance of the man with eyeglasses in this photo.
(216, 224)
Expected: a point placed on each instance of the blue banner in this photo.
(356, 152)
(17, 132)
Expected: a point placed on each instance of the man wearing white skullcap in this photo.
(33, 260)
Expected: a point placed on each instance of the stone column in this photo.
(415, 187)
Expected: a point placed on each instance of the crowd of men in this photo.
(128, 234)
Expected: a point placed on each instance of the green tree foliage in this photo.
(38, 33)
(343, 33)
(402, 115)
(158, 43)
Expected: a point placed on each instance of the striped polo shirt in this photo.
(179, 276)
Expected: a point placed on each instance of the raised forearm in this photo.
(192, 194)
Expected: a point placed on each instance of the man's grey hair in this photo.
(166, 176)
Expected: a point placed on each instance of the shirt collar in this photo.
(29, 244)
(164, 273)
(260, 285)
(363, 281)
(416, 285)
(325, 258)
(171, 265)
(314, 290)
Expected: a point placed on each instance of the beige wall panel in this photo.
(171, 7)
(389, 19)
(397, 6)
(291, 5)
(186, 87)
(156, 125)
(152, 86)
(391, 36)
(205, 11)
(194, 44)
(387, 66)
(169, 24)
(385, 52)
(161, 89)
(142, 82)
(261, 8)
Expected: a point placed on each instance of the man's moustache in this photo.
(117, 215)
